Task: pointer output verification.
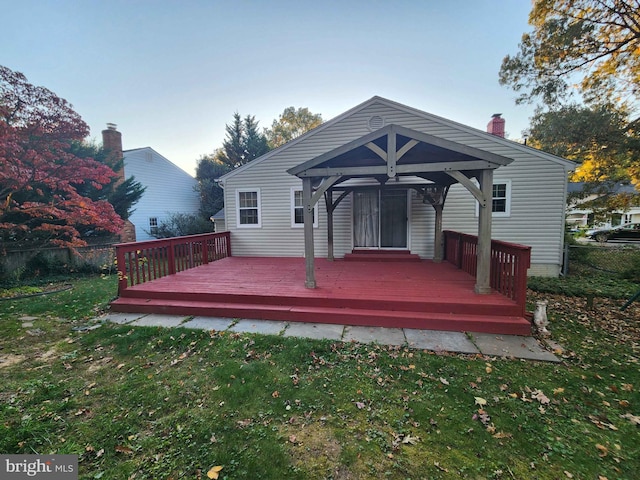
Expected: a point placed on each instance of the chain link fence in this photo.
(615, 260)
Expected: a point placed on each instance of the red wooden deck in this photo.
(419, 294)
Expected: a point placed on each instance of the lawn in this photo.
(153, 403)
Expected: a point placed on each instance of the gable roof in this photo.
(165, 159)
(568, 165)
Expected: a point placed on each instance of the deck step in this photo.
(381, 256)
(502, 324)
(302, 301)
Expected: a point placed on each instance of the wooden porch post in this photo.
(483, 276)
(310, 281)
(328, 196)
(438, 248)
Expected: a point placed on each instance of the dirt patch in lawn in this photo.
(315, 449)
(9, 360)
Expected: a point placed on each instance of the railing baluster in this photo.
(141, 262)
(509, 263)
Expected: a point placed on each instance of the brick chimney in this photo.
(112, 142)
(496, 125)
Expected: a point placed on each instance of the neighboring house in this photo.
(389, 201)
(169, 189)
(579, 215)
(218, 221)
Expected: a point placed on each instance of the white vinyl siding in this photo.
(536, 204)
(248, 208)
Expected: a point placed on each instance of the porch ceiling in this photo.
(399, 151)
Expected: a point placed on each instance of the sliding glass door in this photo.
(380, 219)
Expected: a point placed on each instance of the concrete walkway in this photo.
(511, 346)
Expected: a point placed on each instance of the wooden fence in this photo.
(509, 263)
(141, 262)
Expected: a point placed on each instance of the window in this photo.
(153, 226)
(297, 210)
(500, 199)
(248, 208)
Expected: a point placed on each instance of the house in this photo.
(169, 189)
(218, 221)
(388, 177)
(579, 213)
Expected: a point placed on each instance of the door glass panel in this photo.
(366, 222)
(393, 219)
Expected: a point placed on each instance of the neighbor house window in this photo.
(297, 209)
(248, 208)
(153, 226)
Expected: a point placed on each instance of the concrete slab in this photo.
(265, 327)
(381, 335)
(209, 323)
(158, 320)
(122, 318)
(438, 341)
(316, 331)
(512, 346)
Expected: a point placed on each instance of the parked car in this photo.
(629, 231)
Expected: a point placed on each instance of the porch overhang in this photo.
(434, 163)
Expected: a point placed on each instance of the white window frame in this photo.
(507, 198)
(154, 224)
(294, 207)
(238, 208)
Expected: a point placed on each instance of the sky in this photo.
(171, 74)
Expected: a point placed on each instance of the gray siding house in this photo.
(264, 203)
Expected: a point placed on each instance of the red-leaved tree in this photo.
(39, 205)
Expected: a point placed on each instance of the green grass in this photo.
(153, 403)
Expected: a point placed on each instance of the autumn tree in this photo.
(595, 43)
(121, 195)
(603, 143)
(291, 124)
(243, 142)
(39, 202)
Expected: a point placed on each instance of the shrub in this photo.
(182, 224)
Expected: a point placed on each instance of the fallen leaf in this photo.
(569, 475)
(360, 405)
(480, 401)
(214, 473)
(635, 419)
(410, 440)
(540, 396)
(604, 451)
(123, 449)
(558, 391)
(442, 469)
(502, 435)
(444, 381)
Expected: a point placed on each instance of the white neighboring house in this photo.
(580, 216)
(169, 189)
(264, 203)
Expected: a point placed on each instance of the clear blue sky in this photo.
(171, 74)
